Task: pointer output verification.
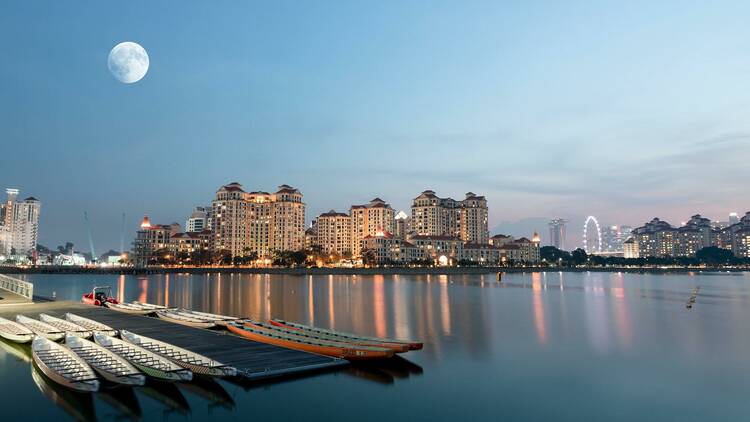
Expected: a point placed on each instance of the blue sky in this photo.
(624, 110)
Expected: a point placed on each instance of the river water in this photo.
(536, 346)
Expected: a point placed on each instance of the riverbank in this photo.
(357, 271)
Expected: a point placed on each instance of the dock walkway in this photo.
(253, 360)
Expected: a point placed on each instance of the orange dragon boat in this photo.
(397, 348)
(322, 347)
(348, 337)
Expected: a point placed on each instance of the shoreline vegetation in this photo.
(361, 270)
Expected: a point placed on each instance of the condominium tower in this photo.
(557, 233)
(369, 220)
(333, 233)
(435, 216)
(19, 224)
(259, 222)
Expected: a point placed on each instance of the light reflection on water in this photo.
(624, 341)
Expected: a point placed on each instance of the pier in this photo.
(14, 291)
(253, 360)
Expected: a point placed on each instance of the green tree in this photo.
(579, 257)
(714, 256)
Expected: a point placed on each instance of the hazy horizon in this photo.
(622, 111)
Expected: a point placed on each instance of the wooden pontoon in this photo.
(15, 332)
(70, 328)
(413, 345)
(185, 320)
(198, 364)
(90, 324)
(40, 328)
(149, 363)
(109, 365)
(322, 347)
(63, 366)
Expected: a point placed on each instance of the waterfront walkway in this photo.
(253, 360)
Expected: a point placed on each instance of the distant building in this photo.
(499, 240)
(557, 233)
(441, 249)
(402, 225)
(151, 238)
(19, 224)
(658, 238)
(198, 221)
(259, 222)
(333, 233)
(630, 248)
(467, 219)
(734, 218)
(191, 243)
(517, 250)
(369, 220)
(626, 232)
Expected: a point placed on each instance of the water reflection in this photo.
(123, 401)
(167, 395)
(483, 339)
(210, 391)
(78, 405)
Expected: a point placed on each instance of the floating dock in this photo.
(253, 360)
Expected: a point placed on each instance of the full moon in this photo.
(128, 62)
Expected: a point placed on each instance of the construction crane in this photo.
(94, 258)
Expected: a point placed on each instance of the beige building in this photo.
(369, 220)
(191, 242)
(259, 222)
(333, 233)
(517, 250)
(630, 248)
(230, 212)
(151, 238)
(467, 219)
(19, 224)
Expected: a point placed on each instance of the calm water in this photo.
(541, 346)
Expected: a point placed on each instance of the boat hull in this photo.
(410, 345)
(126, 310)
(188, 323)
(138, 357)
(41, 329)
(320, 348)
(15, 332)
(196, 363)
(87, 386)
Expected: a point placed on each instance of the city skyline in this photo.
(382, 101)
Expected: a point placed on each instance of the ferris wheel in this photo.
(597, 244)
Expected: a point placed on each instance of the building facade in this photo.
(198, 220)
(150, 239)
(369, 220)
(258, 222)
(19, 224)
(657, 238)
(435, 216)
(333, 233)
